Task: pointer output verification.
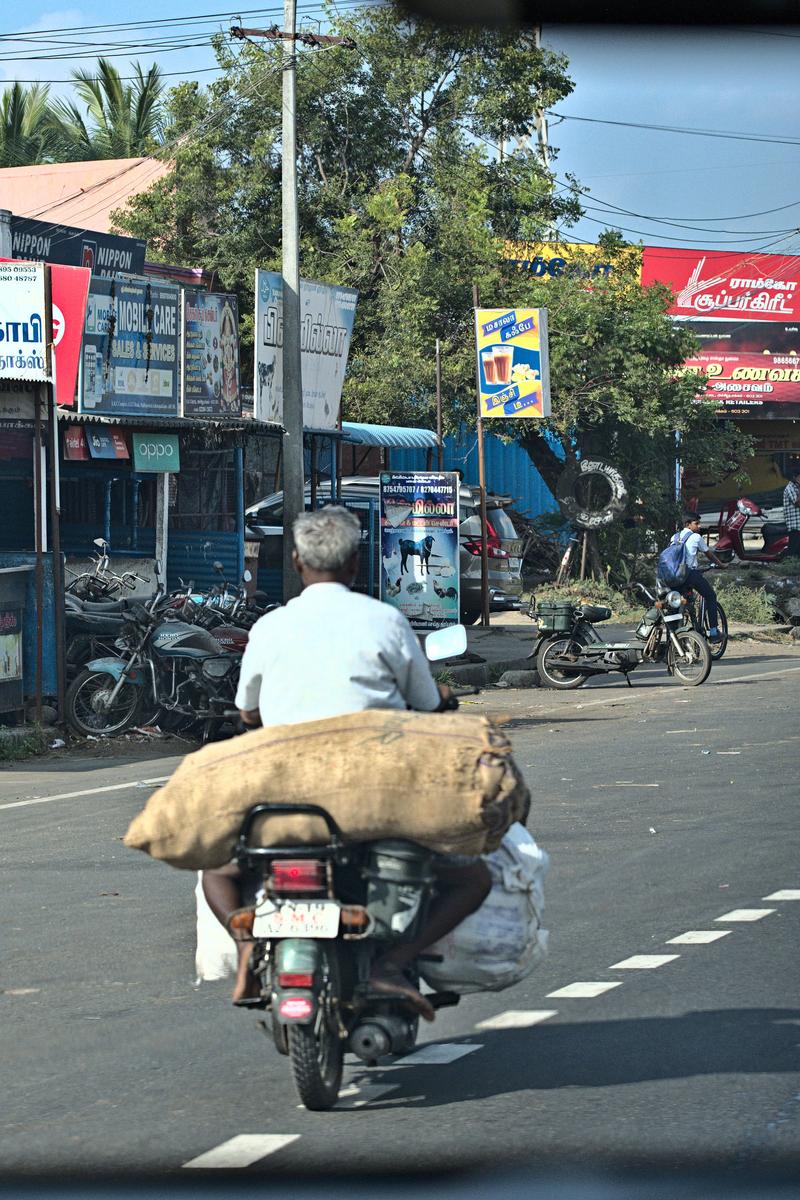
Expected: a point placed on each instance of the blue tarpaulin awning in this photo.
(392, 436)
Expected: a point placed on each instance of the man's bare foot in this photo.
(246, 986)
(389, 980)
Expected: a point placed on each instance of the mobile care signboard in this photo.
(513, 363)
(131, 348)
(420, 546)
(102, 253)
(745, 311)
(23, 341)
(210, 355)
(327, 314)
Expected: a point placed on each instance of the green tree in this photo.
(119, 119)
(402, 191)
(24, 125)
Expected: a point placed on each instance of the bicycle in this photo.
(697, 619)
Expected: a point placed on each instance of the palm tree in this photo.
(124, 120)
(24, 125)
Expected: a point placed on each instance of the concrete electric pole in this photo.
(292, 457)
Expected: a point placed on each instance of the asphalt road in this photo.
(665, 810)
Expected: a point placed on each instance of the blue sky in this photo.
(736, 80)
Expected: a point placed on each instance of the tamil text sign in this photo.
(210, 355)
(753, 367)
(23, 340)
(720, 283)
(130, 348)
(327, 314)
(420, 546)
(513, 366)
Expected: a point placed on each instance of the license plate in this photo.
(513, 564)
(676, 617)
(297, 918)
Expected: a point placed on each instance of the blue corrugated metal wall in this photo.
(509, 470)
(190, 555)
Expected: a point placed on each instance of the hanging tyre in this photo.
(591, 494)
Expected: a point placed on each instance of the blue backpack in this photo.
(672, 565)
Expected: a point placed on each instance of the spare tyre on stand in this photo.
(591, 495)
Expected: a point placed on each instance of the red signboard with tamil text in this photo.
(720, 283)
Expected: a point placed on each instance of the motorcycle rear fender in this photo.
(298, 956)
(116, 667)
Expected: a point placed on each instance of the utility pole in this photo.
(540, 120)
(293, 467)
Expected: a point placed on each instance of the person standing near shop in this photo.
(791, 510)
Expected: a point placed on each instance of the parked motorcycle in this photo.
(101, 583)
(730, 535)
(322, 916)
(171, 666)
(569, 650)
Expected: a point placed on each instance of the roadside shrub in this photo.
(12, 746)
(755, 606)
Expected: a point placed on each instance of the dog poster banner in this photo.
(513, 362)
(420, 546)
(327, 314)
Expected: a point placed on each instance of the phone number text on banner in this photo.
(513, 364)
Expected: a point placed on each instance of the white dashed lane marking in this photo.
(359, 1095)
(242, 1150)
(746, 914)
(698, 937)
(97, 791)
(517, 1018)
(643, 962)
(582, 991)
(436, 1054)
(784, 894)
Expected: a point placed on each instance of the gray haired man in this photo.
(328, 652)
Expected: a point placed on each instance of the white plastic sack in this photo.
(503, 941)
(215, 957)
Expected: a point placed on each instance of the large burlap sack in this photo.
(447, 781)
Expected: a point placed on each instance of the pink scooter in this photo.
(730, 539)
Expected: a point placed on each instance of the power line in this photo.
(670, 220)
(764, 138)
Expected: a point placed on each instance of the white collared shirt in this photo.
(331, 651)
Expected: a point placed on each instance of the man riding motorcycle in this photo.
(328, 652)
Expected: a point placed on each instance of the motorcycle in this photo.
(322, 916)
(101, 583)
(569, 650)
(178, 668)
(730, 535)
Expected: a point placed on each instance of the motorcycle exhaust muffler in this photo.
(387, 1033)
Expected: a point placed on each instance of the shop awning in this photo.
(182, 424)
(392, 436)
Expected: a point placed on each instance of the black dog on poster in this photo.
(420, 550)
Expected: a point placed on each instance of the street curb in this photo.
(485, 674)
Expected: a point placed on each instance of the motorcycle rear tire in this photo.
(700, 653)
(553, 676)
(317, 1057)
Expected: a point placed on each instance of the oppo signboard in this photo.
(156, 452)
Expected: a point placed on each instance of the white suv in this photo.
(264, 522)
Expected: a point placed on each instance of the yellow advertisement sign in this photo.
(549, 260)
(513, 365)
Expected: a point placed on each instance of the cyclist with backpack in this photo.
(677, 567)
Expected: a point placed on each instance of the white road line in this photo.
(517, 1018)
(623, 699)
(242, 1150)
(357, 1096)
(111, 787)
(760, 675)
(437, 1054)
(746, 914)
(625, 783)
(582, 991)
(698, 937)
(784, 894)
(643, 962)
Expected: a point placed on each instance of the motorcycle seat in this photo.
(595, 613)
(96, 623)
(773, 530)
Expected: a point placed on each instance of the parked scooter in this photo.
(730, 535)
(569, 649)
(176, 667)
(322, 916)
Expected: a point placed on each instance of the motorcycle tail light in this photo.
(355, 918)
(296, 1008)
(298, 875)
(294, 979)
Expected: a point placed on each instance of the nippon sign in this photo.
(102, 253)
(156, 452)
